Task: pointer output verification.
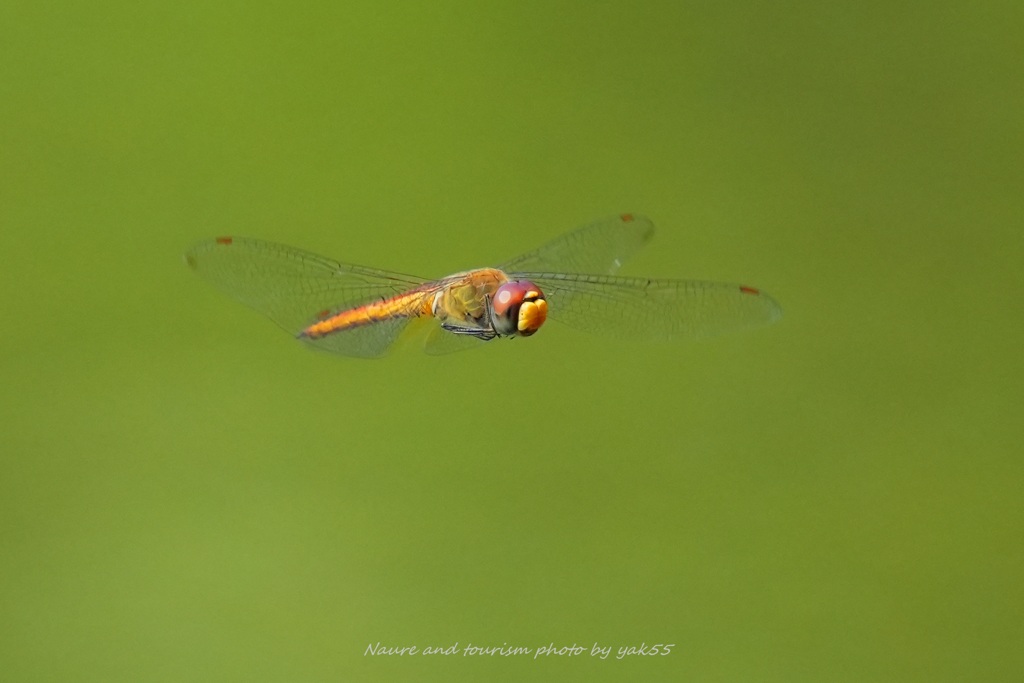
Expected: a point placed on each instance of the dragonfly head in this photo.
(518, 309)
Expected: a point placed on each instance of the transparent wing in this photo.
(642, 308)
(370, 341)
(294, 288)
(600, 247)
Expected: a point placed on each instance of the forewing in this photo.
(600, 247)
(294, 288)
(643, 308)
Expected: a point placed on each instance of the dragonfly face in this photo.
(518, 308)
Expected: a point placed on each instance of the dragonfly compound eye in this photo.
(519, 309)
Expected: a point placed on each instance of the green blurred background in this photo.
(188, 494)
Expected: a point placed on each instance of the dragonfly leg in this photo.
(479, 333)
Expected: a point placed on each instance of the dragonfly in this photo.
(361, 312)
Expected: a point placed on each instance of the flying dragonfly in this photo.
(358, 311)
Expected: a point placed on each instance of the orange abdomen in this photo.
(409, 305)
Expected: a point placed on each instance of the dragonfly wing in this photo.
(600, 247)
(643, 308)
(294, 288)
(370, 341)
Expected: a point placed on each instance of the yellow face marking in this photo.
(532, 315)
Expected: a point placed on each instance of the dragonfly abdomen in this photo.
(408, 305)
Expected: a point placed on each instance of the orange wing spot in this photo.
(323, 315)
(749, 290)
(627, 218)
(224, 240)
